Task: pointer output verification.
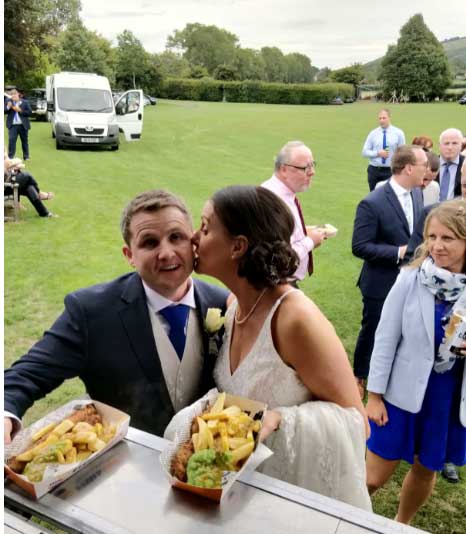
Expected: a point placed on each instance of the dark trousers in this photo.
(13, 132)
(29, 188)
(372, 309)
(377, 174)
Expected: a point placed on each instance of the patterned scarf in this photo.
(446, 286)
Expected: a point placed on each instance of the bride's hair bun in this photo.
(268, 264)
(267, 223)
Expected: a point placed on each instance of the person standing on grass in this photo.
(417, 385)
(294, 169)
(449, 176)
(379, 147)
(18, 112)
(383, 225)
(138, 342)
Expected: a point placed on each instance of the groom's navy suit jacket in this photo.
(105, 337)
(380, 228)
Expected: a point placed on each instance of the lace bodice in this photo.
(262, 375)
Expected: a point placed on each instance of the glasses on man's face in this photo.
(307, 168)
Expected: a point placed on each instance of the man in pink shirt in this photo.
(294, 169)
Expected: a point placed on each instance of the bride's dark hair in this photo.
(267, 223)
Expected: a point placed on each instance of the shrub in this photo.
(254, 91)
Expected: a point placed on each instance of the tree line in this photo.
(46, 36)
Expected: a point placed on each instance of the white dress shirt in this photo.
(406, 202)
(301, 243)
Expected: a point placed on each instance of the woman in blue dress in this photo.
(417, 393)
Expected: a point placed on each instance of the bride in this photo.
(280, 349)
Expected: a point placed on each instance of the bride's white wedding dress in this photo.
(319, 445)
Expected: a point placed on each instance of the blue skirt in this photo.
(435, 434)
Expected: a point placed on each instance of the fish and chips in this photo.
(72, 440)
(222, 439)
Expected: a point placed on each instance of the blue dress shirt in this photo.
(374, 143)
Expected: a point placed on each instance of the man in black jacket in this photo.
(18, 112)
(120, 337)
(384, 222)
(451, 161)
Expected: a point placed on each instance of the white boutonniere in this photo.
(213, 325)
(213, 320)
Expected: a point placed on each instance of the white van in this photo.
(81, 110)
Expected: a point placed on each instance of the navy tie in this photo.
(384, 143)
(445, 181)
(177, 317)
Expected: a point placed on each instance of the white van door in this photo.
(130, 112)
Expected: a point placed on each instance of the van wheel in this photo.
(58, 145)
(115, 147)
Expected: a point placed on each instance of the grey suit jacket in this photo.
(403, 355)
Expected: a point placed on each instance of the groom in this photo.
(138, 342)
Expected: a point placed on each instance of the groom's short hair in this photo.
(150, 201)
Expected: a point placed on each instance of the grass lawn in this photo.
(194, 148)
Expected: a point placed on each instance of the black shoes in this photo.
(450, 473)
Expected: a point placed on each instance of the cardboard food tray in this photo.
(60, 472)
(183, 434)
(330, 230)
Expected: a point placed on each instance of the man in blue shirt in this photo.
(380, 144)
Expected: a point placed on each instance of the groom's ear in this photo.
(239, 247)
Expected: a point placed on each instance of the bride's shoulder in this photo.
(296, 308)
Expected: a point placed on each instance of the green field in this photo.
(194, 148)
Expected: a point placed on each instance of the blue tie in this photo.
(384, 143)
(445, 181)
(177, 318)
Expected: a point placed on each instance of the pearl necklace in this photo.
(251, 311)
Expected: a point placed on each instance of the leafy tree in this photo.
(29, 24)
(152, 76)
(81, 50)
(207, 46)
(298, 68)
(226, 73)
(173, 65)
(275, 64)
(198, 72)
(353, 75)
(132, 60)
(323, 75)
(249, 64)
(417, 65)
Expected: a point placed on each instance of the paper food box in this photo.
(224, 440)
(328, 229)
(86, 446)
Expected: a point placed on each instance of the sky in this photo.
(332, 33)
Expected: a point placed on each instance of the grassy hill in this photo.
(455, 49)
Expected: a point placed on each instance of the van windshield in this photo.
(80, 99)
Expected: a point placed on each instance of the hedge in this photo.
(253, 92)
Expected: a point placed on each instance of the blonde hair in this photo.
(451, 214)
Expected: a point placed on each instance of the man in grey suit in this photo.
(138, 342)
(384, 222)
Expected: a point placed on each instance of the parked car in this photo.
(149, 100)
(462, 100)
(337, 101)
(38, 101)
